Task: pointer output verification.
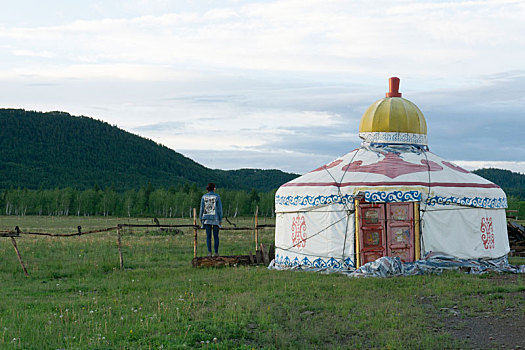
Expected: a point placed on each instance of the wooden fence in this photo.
(262, 253)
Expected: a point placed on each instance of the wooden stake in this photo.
(194, 232)
(19, 257)
(265, 257)
(119, 243)
(256, 228)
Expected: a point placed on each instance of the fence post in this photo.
(18, 253)
(194, 232)
(256, 228)
(119, 243)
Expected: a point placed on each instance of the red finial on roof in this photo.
(394, 87)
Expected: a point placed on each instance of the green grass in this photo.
(77, 298)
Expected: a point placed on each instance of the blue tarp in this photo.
(431, 263)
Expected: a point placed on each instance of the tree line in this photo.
(512, 183)
(148, 201)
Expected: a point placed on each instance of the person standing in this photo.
(211, 217)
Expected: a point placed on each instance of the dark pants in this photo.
(215, 237)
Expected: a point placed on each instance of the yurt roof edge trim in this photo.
(391, 183)
(390, 197)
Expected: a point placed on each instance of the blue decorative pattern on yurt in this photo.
(491, 203)
(301, 200)
(394, 196)
(318, 263)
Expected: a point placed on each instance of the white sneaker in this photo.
(209, 254)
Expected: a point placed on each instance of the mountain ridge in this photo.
(56, 149)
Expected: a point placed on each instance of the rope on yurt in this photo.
(424, 210)
(315, 234)
(348, 210)
(308, 211)
(428, 191)
(307, 254)
(458, 207)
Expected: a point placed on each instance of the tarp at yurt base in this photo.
(391, 207)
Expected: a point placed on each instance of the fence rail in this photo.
(18, 233)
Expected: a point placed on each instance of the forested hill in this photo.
(55, 149)
(512, 183)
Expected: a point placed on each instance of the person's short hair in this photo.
(211, 186)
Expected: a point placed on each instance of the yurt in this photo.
(389, 197)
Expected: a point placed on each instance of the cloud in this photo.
(294, 36)
(295, 162)
(282, 83)
(32, 53)
(164, 127)
(228, 128)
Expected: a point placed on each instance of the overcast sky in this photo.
(273, 84)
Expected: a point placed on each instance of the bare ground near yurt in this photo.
(493, 319)
(76, 296)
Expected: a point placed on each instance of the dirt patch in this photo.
(506, 278)
(489, 332)
(489, 329)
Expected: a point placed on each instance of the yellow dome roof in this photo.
(393, 119)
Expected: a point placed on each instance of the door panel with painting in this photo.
(372, 242)
(400, 230)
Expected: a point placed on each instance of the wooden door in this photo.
(400, 230)
(372, 238)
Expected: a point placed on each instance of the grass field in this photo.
(77, 298)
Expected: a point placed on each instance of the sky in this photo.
(273, 84)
